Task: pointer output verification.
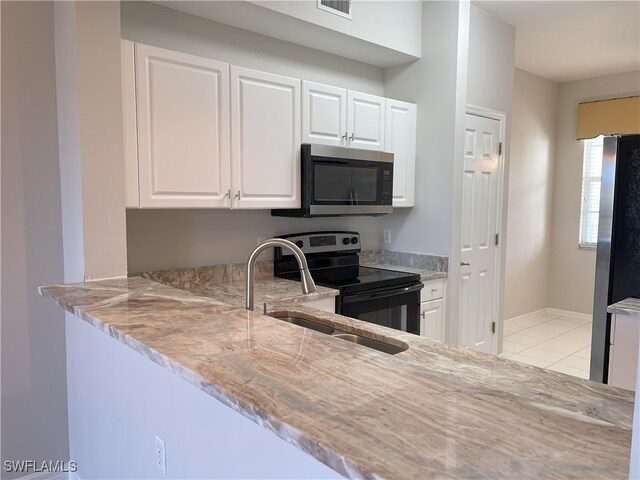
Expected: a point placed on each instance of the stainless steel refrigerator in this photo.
(618, 255)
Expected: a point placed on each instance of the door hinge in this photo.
(493, 327)
(497, 239)
(500, 148)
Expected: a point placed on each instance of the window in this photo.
(591, 177)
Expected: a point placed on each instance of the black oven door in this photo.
(397, 308)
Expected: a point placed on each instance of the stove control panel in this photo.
(325, 242)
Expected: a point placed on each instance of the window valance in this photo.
(609, 117)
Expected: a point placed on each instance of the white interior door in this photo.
(324, 114)
(478, 305)
(183, 129)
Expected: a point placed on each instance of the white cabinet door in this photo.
(623, 353)
(324, 114)
(365, 120)
(183, 129)
(432, 319)
(132, 198)
(265, 116)
(400, 139)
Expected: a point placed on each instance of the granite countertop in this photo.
(265, 290)
(425, 275)
(628, 306)
(434, 410)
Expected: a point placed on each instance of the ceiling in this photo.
(572, 40)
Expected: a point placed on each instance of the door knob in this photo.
(465, 264)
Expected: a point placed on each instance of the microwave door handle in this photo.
(359, 297)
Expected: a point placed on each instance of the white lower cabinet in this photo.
(623, 351)
(432, 304)
(432, 319)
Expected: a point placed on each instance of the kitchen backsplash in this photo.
(208, 275)
(235, 272)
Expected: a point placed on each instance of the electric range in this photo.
(384, 297)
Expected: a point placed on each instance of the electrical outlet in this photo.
(161, 455)
(387, 235)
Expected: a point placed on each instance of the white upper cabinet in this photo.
(265, 116)
(400, 126)
(324, 118)
(183, 129)
(336, 116)
(200, 133)
(365, 120)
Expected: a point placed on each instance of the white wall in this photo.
(163, 27)
(159, 239)
(91, 138)
(173, 238)
(528, 246)
(433, 82)
(573, 269)
(34, 402)
(120, 405)
(491, 62)
(393, 24)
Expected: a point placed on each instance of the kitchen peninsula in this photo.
(433, 410)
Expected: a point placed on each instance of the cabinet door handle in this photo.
(237, 195)
(423, 315)
(228, 196)
(465, 264)
(352, 137)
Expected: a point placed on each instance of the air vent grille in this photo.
(339, 7)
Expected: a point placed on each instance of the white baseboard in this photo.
(552, 311)
(527, 315)
(568, 313)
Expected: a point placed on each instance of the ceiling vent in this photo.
(338, 7)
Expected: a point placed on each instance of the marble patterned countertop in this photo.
(628, 306)
(425, 275)
(435, 410)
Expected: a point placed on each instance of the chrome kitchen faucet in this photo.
(308, 285)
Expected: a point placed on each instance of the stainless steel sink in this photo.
(303, 322)
(370, 342)
(349, 337)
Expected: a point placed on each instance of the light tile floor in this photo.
(559, 342)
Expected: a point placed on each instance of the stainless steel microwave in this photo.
(339, 181)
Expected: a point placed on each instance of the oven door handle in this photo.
(359, 297)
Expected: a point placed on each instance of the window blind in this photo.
(591, 180)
